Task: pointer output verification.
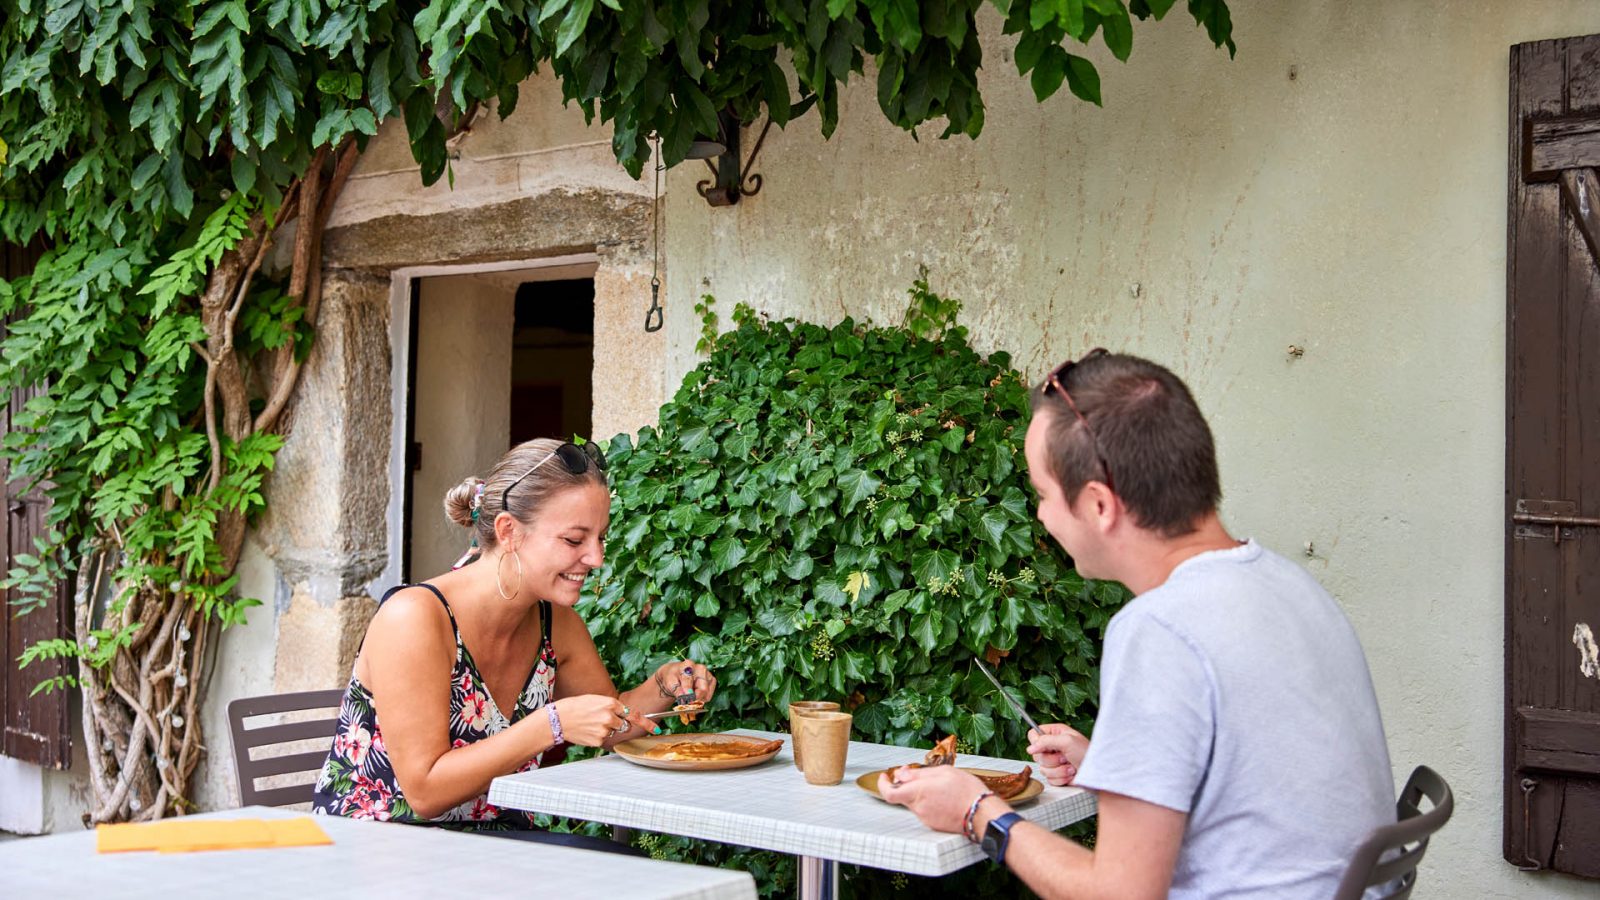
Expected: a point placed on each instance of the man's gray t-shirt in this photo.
(1237, 692)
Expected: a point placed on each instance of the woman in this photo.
(479, 671)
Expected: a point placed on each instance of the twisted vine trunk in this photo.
(141, 718)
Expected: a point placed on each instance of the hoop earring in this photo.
(497, 584)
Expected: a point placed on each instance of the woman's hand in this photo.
(685, 676)
(1059, 751)
(591, 719)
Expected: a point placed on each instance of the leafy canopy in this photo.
(124, 116)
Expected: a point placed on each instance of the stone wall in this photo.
(536, 187)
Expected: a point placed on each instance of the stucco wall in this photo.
(1212, 214)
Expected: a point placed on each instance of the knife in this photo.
(1015, 706)
(674, 713)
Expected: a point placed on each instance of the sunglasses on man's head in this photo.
(575, 457)
(1057, 381)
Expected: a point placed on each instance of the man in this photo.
(1238, 750)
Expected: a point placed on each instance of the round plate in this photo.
(869, 783)
(634, 751)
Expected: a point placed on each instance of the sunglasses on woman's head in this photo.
(1057, 380)
(576, 458)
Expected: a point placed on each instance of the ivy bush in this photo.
(843, 513)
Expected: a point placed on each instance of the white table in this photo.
(771, 807)
(378, 859)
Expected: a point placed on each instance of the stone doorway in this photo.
(495, 358)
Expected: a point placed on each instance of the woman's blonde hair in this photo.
(534, 475)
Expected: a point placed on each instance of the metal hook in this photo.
(653, 316)
(1528, 784)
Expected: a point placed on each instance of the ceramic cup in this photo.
(826, 736)
(801, 708)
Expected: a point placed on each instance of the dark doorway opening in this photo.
(552, 360)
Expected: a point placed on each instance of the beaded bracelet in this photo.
(972, 811)
(555, 724)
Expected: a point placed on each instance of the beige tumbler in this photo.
(801, 708)
(826, 736)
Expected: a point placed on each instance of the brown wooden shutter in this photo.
(1552, 728)
(34, 728)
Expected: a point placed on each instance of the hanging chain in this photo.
(654, 315)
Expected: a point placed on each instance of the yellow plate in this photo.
(869, 783)
(636, 750)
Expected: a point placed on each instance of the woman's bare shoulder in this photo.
(411, 617)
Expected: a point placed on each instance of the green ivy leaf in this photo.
(931, 567)
(857, 486)
(925, 631)
(799, 566)
(726, 553)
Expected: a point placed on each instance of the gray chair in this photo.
(265, 737)
(1389, 857)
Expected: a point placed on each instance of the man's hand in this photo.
(1058, 751)
(939, 795)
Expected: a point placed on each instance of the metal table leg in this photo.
(819, 879)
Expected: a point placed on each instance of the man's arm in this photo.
(1136, 843)
(1135, 851)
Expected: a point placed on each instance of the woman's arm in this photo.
(580, 671)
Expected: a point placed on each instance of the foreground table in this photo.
(771, 807)
(378, 859)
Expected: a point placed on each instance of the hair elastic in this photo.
(472, 545)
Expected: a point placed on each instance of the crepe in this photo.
(689, 711)
(1004, 786)
(712, 750)
(1008, 786)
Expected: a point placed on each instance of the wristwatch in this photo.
(998, 835)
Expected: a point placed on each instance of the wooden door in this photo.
(1552, 618)
(34, 727)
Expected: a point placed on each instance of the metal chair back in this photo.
(265, 737)
(1389, 857)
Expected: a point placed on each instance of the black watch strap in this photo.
(997, 836)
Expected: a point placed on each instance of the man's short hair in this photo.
(1145, 427)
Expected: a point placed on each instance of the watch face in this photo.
(993, 840)
(996, 835)
(991, 843)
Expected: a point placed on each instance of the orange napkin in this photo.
(186, 835)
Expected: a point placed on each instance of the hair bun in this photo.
(460, 500)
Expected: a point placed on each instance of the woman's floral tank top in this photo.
(358, 781)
